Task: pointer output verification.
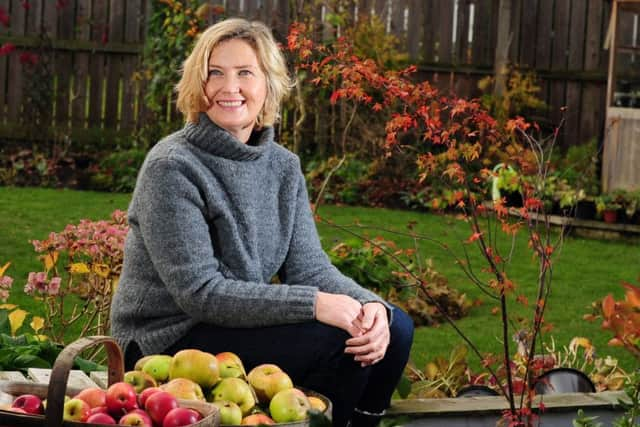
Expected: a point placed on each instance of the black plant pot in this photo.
(512, 198)
(564, 380)
(586, 209)
(476, 390)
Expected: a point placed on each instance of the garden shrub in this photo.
(81, 268)
(445, 377)
(368, 264)
(34, 168)
(118, 171)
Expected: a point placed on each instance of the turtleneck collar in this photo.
(210, 137)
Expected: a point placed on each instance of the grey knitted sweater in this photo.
(212, 220)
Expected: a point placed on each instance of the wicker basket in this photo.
(57, 388)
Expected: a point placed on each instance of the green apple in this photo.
(267, 380)
(196, 365)
(76, 410)
(140, 363)
(183, 388)
(230, 365)
(235, 390)
(289, 405)
(158, 367)
(230, 412)
(139, 380)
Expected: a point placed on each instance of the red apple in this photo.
(178, 417)
(159, 404)
(136, 417)
(142, 397)
(76, 410)
(99, 410)
(121, 398)
(94, 396)
(30, 403)
(101, 418)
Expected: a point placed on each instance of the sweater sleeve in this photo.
(307, 263)
(170, 212)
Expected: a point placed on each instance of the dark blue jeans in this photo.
(313, 355)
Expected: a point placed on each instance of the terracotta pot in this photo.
(610, 216)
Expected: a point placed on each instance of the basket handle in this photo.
(64, 363)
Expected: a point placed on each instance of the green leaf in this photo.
(88, 366)
(5, 326)
(31, 361)
(404, 387)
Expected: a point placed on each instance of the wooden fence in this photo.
(96, 46)
(91, 48)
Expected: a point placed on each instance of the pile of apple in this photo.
(265, 395)
(119, 404)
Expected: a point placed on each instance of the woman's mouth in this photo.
(230, 104)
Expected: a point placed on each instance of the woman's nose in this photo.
(230, 84)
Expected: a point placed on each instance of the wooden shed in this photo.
(621, 156)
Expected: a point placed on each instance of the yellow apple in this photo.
(289, 405)
(230, 412)
(196, 365)
(235, 390)
(267, 380)
(317, 403)
(230, 365)
(183, 388)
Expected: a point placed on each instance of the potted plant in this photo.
(507, 184)
(633, 209)
(607, 206)
(585, 206)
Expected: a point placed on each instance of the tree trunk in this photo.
(501, 63)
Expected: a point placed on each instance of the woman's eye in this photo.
(215, 73)
(245, 73)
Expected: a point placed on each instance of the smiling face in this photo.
(236, 87)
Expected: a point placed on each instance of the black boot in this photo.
(362, 418)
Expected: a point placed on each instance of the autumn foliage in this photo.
(623, 318)
(457, 141)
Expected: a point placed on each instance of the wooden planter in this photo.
(561, 410)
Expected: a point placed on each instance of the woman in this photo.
(219, 209)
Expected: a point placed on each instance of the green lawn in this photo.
(585, 270)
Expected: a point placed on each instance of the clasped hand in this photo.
(367, 324)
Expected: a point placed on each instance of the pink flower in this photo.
(5, 282)
(54, 286)
(4, 295)
(36, 281)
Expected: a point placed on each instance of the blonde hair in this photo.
(191, 93)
